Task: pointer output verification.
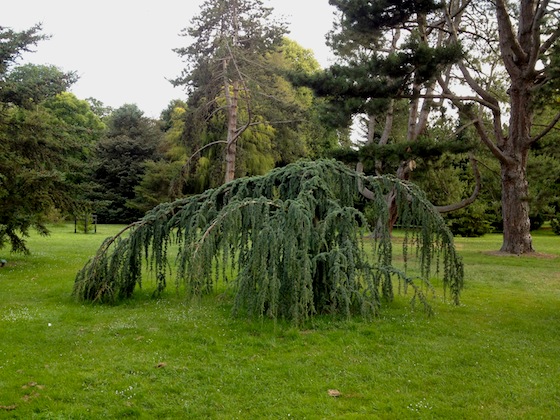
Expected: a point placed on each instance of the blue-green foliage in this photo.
(293, 239)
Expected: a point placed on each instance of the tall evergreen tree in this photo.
(131, 140)
(231, 39)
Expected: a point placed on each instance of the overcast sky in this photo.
(122, 49)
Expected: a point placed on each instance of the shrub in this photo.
(471, 221)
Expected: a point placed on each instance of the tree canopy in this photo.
(30, 84)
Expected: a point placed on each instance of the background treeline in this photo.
(255, 100)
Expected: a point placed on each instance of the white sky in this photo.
(122, 49)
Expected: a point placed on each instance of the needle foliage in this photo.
(291, 244)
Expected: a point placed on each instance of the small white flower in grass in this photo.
(49, 324)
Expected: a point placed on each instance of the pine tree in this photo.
(500, 53)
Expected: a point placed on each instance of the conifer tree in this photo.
(489, 59)
(231, 39)
(385, 73)
(120, 156)
(289, 244)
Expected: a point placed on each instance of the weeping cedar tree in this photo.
(293, 238)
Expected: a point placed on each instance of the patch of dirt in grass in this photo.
(29, 397)
(537, 255)
(334, 393)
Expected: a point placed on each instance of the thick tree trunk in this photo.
(515, 189)
(515, 209)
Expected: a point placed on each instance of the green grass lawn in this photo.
(496, 356)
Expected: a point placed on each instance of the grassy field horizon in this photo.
(497, 355)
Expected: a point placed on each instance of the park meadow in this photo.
(495, 356)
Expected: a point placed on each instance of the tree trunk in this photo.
(231, 147)
(515, 209)
(232, 99)
(515, 188)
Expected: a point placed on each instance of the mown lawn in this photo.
(497, 356)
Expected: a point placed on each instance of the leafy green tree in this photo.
(168, 115)
(160, 182)
(295, 112)
(289, 243)
(130, 141)
(43, 151)
(30, 84)
(77, 114)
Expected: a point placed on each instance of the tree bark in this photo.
(515, 210)
(519, 57)
(231, 145)
(515, 187)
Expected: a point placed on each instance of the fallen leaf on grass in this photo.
(8, 407)
(334, 393)
(161, 365)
